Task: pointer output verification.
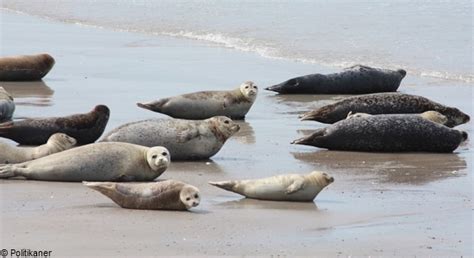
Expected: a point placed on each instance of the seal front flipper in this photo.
(124, 178)
(298, 184)
(187, 134)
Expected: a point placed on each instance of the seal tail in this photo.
(312, 139)
(226, 185)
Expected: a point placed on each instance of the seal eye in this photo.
(226, 122)
(164, 154)
(255, 87)
(154, 156)
(187, 199)
(247, 87)
(196, 196)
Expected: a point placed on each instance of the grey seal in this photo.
(57, 142)
(163, 195)
(185, 139)
(26, 67)
(384, 103)
(7, 105)
(85, 128)
(386, 133)
(357, 79)
(105, 161)
(292, 187)
(205, 104)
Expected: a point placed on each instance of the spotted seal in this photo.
(358, 79)
(205, 104)
(430, 115)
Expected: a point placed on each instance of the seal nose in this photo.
(195, 204)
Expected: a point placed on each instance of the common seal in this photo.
(25, 68)
(357, 79)
(85, 128)
(386, 133)
(292, 187)
(105, 161)
(384, 103)
(57, 142)
(185, 139)
(7, 105)
(205, 104)
(164, 195)
(429, 115)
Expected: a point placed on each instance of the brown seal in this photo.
(85, 128)
(164, 195)
(25, 68)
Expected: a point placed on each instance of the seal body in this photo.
(25, 68)
(386, 133)
(7, 105)
(291, 187)
(384, 103)
(205, 104)
(57, 142)
(185, 139)
(429, 115)
(106, 161)
(357, 79)
(85, 128)
(164, 195)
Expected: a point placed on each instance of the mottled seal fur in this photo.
(25, 68)
(185, 139)
(293, 187)
(7, 105)
(57, 142)
(164, 195)
(85, 128)
(205, 104)
(429, 115)
(105, 161)
(357, 79)
(386, 133)
(384, 103)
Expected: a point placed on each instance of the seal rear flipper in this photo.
(311, 139)
(154, 105)
(102, 187)
(226, 185)
(6, 127)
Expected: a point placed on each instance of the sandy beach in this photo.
(379, 205)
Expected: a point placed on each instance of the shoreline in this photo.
(372, 208)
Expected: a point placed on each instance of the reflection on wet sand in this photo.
(406, 168)
(246, 134)
(274, 205)
(303, 103)
(35, 93)
(201, 166)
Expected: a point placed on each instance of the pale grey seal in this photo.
(430, 115)
(57, 142)
(185, 139)
(163, 195)
(384, 103)
(292, 187)
(205, 104)
(25, 68)
(85, 128)
(7, 105)
(357, 79)
(105, 161)
(386, 133)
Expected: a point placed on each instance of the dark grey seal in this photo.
(85, 128)
(384, 103)
(25, 68)
(357, 79)
(386, 133)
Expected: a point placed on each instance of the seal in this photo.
(429, 115)
(105, 161)
(205, 104)
(25, 68)
(85, 128)
(7, 105)
(384, 103)
(163, 195)
(57, 142)
(292, 187)
(386, 133)
(185, 139)
(356, 79)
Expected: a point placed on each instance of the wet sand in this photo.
(379, 204)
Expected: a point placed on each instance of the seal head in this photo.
(223, 127)
(190, 196)
(158, 158)
(249, 90)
